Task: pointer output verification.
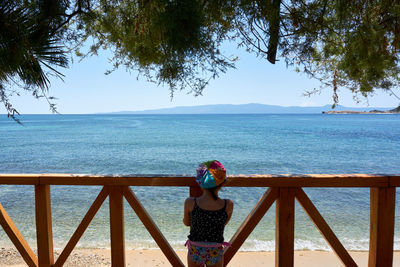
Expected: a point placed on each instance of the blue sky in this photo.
(86, 89)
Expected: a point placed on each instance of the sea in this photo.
(176, 144)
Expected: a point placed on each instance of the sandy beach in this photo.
(150, 258)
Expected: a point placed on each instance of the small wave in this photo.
(248, 246)
(269, 245)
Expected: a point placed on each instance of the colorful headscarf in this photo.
(210, 174)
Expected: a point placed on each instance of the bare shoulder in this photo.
(189, 200)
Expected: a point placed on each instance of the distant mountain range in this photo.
(247, 109)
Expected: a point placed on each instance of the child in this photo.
(207, 216)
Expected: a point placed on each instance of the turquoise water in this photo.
(175, 144)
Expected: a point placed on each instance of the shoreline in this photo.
(155, 257)
(359, 112)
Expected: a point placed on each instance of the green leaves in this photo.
(343, 44)
(169, 42)
(30, 51)
(356, 40)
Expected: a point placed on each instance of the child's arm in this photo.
(189, 205)
(229, 209)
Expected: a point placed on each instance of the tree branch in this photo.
(274, 21)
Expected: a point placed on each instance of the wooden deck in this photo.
(282, 189)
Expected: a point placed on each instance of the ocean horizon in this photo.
(175, 145)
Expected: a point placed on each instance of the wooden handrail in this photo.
(284, 180)
(284, 189)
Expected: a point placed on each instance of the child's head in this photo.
(211, 175)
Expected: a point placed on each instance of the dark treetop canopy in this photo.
(349, 44)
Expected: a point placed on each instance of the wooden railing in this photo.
(283, 189)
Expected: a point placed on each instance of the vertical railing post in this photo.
(381, 226)
(284, 231)
(195, 191)
(44, 230)
(117, 226)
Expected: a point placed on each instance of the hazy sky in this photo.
(87, 90)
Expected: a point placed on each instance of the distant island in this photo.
(252, 108)
(373, 111)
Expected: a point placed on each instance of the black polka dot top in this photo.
(207, 225)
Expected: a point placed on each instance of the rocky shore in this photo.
(392, 111)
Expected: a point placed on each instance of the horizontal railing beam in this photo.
(309, 180)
